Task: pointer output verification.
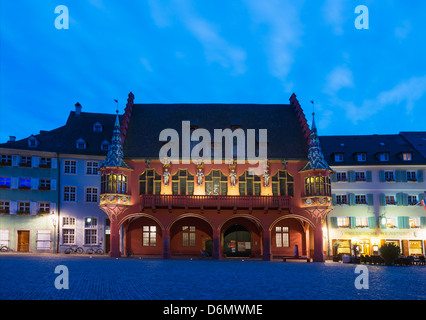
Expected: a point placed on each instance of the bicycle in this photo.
(4, 248)
(95, 251)
(78, 250)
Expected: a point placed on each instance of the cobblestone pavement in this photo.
(33, 276)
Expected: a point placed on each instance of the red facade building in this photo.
(173, 207)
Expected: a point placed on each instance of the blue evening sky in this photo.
(206, 51)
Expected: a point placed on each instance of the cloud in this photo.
(406, 93)
(332, 11)
(340, 77)
(284, 33)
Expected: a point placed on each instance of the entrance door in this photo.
(237, 241)
(23, 241)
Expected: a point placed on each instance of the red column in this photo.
(166, 244)
(114, 239)
(267, 256)
(318, 243)
(217, 254)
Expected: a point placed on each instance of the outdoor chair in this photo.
(421, 260)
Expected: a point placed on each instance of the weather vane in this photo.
(117, 105)
(313, 107)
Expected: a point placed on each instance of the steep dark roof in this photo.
(63, 139)
(372, 145)
(417, 140)
(285, 137)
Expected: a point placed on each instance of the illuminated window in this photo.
(406, 156)
(362, 222)
(188, 236)
(24, 183)
(249, 184)
(391, 222)
(114, 183)
(343, 222)
(414, 222)
(90, 230)
(150, 182)
(182, 183)
(5, 182)
(282, 184)
(216, 183)
(281, 237)
(318, 185)
(149, 236)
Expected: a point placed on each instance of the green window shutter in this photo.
(351, 176)
(397, 175)
(369, 177)
(333, 221)
(382, 176)
(372, 222)
(353, 222)
(382, 199)
(370, 199)
(421, 196)
(403, 175)
(333, 177)
(399, 199)
(404, 199)
(333, 197)
(423, 222)
(351, 199)
(419, 175)
(403, 223)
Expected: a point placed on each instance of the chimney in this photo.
(12, 139)
(78, 108)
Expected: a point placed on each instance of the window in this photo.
(97, 127)
(389, 176)
(412, 200)
(182, 183)
(341, 176)
(24, 183)
(4, 207)
(188, 236)
(24, 207)
(80, 144)
(25, 162)
(384, 156)
(343, 222)
(406, 156)
(341, 199)
(359, 176)
(90, 230)
(4, 182)
(45, 163)
(91, 194)
(68, 221)
(282, 184)
(391, 222)
(361, 157)
(414, 222)
(114, 183)
(32, 142)
(319, 185)
(6, 160)
(360, 199)
(281, 237)
(338, 157)
(69, 194)
(68, 236)
(216, 183)
(390, 199)
(411, 176)
(362, 222)
(44, 207)
(105, 146)
(150, 182)
(70, 166)
(44, 184)
(249, 184)
(43, 239)
(149, 236)
(92, 167)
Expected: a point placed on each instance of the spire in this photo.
(115, 154)
(315, 155)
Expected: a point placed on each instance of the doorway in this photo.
(237, 241)
(23, 241)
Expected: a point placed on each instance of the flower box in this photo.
(25, 164)
(43, 165)
(4, 186)
(44, 188)
(24, 188)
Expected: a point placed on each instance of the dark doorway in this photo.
(237, 241)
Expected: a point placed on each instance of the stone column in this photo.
(114, 239)
(166, 244)
(217, 252)
(318, 243)
(266, 242)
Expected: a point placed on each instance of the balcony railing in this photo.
(218, 202)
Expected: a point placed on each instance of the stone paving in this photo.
(32, 277)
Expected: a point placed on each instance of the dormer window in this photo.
(97, 127)
(80, 144)
(406, 156)
(361, 157)
(32, 142)
(384, 156)
(105, 145)
(338, 157)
